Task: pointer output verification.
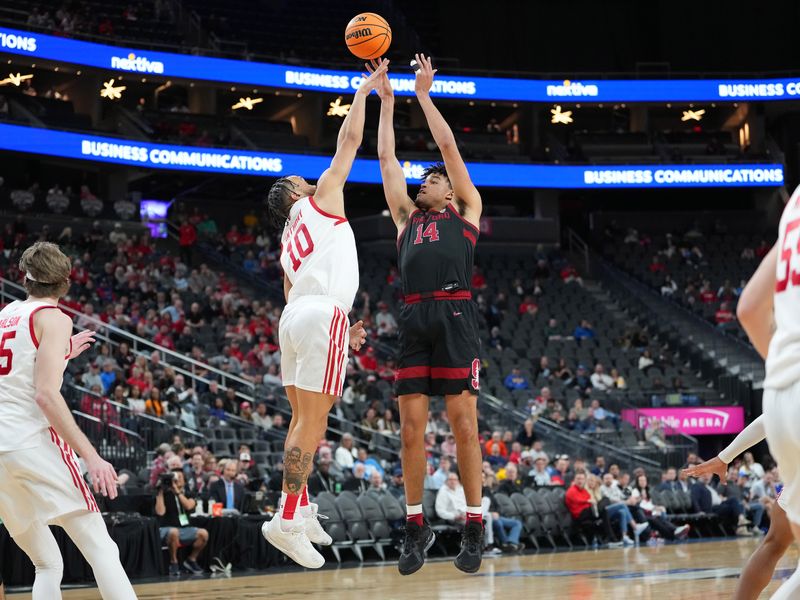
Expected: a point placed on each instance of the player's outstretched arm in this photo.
(754, 310)
(395, 187)
(329, 194)
(464, 189)
(53, 329)
(747, 438)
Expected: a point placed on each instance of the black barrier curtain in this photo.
(136, 537)
(237, 540)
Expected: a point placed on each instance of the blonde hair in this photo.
(46, 269)
(593, 486)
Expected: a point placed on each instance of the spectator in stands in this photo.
(495, 339)
(645, 361)
(528, 307)
(560, 473)
(584, 331)
(657, 265)
(367, 361)
(512, 482)
(582, 505)
(187, 238)
(552, 331)
(229, 491)
(376, 484)
(619, 380)
(396, 486)
(763, 490)
(385, 322)
(736, 488)
(496, 439)
(387, 424)
(346, 454)
(495, 458)
(173, 504)
(669, 287)
(321, 480)
(563, 372)
(153, 405)
(582, 381)
(195, 475)
(618, 510)
(448, 446)
(706, 499)
(370, 464)
(655, 434)
(358, 483)
(516, 381)
(600, 379)
(543, 371)
(451, 504)
(539, 475)
(724, 316)
(526, 435)
(599, 467)
(751, 467)
(643, 507)
(261, 418)
(506, 529)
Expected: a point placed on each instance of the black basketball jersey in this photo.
(436, 251)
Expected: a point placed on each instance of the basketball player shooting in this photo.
(320, 264)
(439, 343)
(42, 483)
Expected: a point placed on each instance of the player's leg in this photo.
(760, 567)
(88, 532)
(41, 547)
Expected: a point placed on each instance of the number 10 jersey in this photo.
(318, 254)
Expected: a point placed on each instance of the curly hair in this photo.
(436, 168)
(278, 201)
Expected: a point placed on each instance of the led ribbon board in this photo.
(146, 62)
(80, 146)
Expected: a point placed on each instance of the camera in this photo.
(165, 481)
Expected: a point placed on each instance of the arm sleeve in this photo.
(747, 438)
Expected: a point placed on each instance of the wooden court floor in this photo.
(694, 571)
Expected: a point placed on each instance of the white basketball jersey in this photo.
(21, 419)
(318, 254)
(783, 359)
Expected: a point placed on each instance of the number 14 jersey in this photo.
(318, 254)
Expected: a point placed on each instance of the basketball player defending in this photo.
(439, 344)
(758, 571)
(767, 311)
(41, 480)
(320, 265)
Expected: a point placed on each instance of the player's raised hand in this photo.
(715, 466)
(358, 335)
(81, 342)
(384, 87)
(103, 476)
(425, 74)
(373, 80)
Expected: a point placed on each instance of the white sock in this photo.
(413, 509)
(475, 510)
(305, 511)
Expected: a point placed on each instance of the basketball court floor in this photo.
(693, 571)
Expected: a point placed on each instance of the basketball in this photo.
(368, 36)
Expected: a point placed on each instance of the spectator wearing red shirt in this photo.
(570, 274)
(233, 236)
(762, 249)
(187, 236)
(582, 505)
(656, 266)
(496, 439)
(724, 315)
(367, 361)
(247, 238)
(478, 280)
(707, 296)
(528, 306)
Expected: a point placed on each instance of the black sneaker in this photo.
(174, 570)
(416, 544)
(469, 559)
(192, 567)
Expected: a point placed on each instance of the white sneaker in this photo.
(628, 541)
(639, 528)
(682, 531)
(316, 534)
(293, 543)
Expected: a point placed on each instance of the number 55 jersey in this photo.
(319, 258)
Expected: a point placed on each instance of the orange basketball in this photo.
(368, 36)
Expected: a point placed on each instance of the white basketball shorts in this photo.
(781, 422)
(41, 484)
(314, 338)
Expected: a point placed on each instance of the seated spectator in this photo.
(385, 321)
(478, 280)
(751, 468)
(724, 315)
(495, 458)
(669, 287)
(582, 381)
(543, 371)
(736, 488)
(346, 454)
(495, 339)
(526, 435)
(358, 483)
(528, 307)
(582, 505)
(657, 265)
(560, 473)
(618, 510)
(645, 361)
(367, 360)
(321, 479)
(387, 424)
(763, 490)
(172, 506)
(600, 379)
(516, 381)
(539, 476)
(619, 380)
(260, 418)
(496, 439)
(655, 434)
(584, 331)
(228, 490)
(553, 331)
(436, 478)
(706, 499)
(451, 504)
(448, 446)
(643, 508)
(507, 530)
(512, 482)
(599, 467)
(563, 372)
(370, 464)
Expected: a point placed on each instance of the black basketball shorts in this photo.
(439, 348)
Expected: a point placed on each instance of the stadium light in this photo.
(337, 109)
(15, 79)
(559, 116)
(247, 103)
(111, 92)
(693, 115)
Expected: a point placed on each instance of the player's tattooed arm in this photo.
(296, 468)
